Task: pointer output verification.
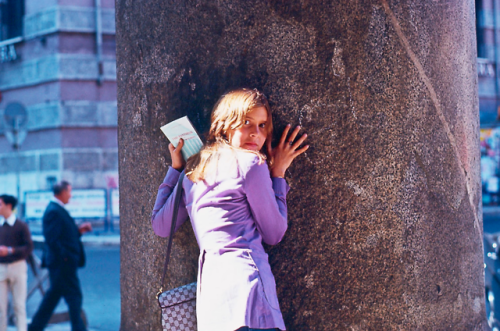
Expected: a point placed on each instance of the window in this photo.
(11, 18)
(481, 49)
(51, 181)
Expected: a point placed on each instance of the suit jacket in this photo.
(63, 245)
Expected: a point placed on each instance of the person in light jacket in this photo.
(234, 193)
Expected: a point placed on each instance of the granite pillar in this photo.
(385, 222)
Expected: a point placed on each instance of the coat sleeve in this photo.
(161, 218)
(24, 250)
(267, 199)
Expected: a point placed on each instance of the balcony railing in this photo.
(485, 68)
(8, 50)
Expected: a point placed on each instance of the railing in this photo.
(8, 50)
(485, 67)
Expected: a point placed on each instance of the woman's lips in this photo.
(251, 145)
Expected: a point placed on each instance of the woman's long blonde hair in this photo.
(229, 113)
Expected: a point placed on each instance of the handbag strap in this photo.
(177, 201)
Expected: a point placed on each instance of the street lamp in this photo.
(15, 125)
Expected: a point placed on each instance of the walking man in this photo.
(15, 247)
(63, 255)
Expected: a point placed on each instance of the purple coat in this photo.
(231, 212)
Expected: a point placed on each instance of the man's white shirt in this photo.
(10, 220)
(59, 202)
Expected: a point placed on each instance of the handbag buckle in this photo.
(159, 292)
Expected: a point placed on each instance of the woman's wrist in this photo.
(178, 167)
(277, 173)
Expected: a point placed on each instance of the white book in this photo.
(182, 128)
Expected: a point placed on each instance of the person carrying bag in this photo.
(234, 193)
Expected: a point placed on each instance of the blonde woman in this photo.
(235, 196)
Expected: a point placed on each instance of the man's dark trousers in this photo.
(63, 283)
(63, 254)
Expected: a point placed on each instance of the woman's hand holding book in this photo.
(178, 161)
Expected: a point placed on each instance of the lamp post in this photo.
(15, 125)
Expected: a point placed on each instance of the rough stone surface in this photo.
(385, 221)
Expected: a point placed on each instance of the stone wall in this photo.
(385, 225)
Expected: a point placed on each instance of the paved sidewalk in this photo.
(88, 239)
(97, 237)
(100, 283)
(491, 210)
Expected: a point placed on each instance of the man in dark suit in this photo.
(63, 255)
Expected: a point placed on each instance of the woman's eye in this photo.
(263, 125)
(247, 122)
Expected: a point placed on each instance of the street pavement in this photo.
(491, 219)
(100, 281)
(52, 327)
(89, 239)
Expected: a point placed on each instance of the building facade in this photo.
(488, 52)
(57, 58)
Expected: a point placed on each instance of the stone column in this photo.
(385, 223)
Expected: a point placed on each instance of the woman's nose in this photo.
(254, 130)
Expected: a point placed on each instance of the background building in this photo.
(57, 58)
(488, 52)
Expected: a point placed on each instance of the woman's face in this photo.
(252, 134)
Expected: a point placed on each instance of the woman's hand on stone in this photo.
(286, 151)
(178, 161)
